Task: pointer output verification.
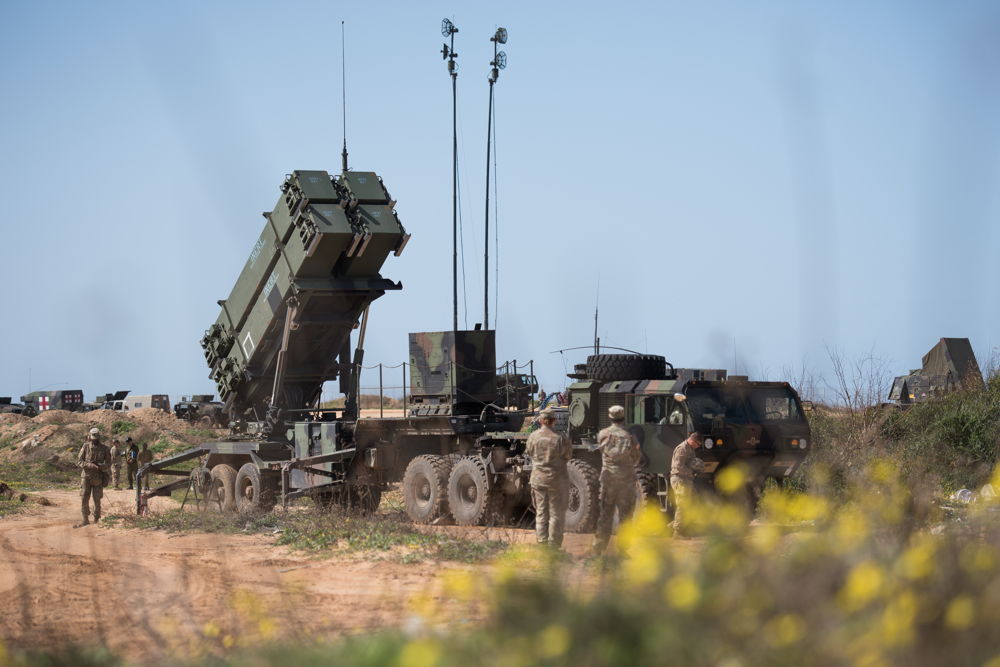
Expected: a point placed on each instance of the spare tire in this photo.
(608, 367)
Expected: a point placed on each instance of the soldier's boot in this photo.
(86, 521)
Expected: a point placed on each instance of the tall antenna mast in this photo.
(448, 29)
(498, 63)
(597, 303)
(343, 92)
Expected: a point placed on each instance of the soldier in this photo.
(116, 463)
(145, 457)
(683, 466)
(620, 453)
(131, 460)
(549, 452)
(94, 461)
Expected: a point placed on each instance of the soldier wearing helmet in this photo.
(549, 452)
(620, 454)
(94, 461)
(684, 465)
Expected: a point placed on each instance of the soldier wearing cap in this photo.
(131, 460)
(684, 465)
(145, 457)
(549, 452)
(116, 463)
(94, 461)
(620, 454)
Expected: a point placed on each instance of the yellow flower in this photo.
(864, 583)
(898, 618)
(459, 584)
(648, 524)
(682, 592)
(228, 641)
(267, 628)
(978, 558)
(211, 629)
(553, 641)
(420, 653)
(992, 662)
(642, 565)
(731, 479)
(850, 530)
(960, 613)
(784, 630)
(883, 472)
(764, 538)
(917, 562)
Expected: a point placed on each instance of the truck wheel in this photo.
(470, 498)
(253, 492)
(606, 367)
(206, 422)
(425, 488)
(646, 487)
(222, 495)
(584, 487)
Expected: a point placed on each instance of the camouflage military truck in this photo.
(202, 409)
(6, 407)
(759, 424)
(67, 399)
(947, 366)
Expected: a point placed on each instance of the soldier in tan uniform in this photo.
(116, 463)
(131, 461)
(620, 454)
(94, 461)
(549, 452)
(145, 457)
(684, 465)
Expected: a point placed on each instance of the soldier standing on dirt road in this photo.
(145, 458)
(131, 461)
(683, 466)
(549, 452)
(94, 461)
(620, 454)
(116, 463)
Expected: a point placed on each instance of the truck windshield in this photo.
(774, 404)
(743, 405)
(708, 403)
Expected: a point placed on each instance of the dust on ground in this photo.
(149, 594)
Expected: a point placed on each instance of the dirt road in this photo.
(149, 594)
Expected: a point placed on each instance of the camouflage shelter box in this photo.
(453, 370)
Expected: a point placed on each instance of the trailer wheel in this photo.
(584, 487)
(254, 493)
(425, 488)
(222, 495)
(471, 499)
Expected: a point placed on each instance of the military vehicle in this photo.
(67, 399)
(759, 424)
(203, 409)
(514, 390)
(127, 403)
(6, 407)
(949, 365)
(102, 401)
(285, 330)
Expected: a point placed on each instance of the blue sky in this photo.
(757, 182)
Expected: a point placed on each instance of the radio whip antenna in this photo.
(343, 92)
(498, 63)
(448, 30)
